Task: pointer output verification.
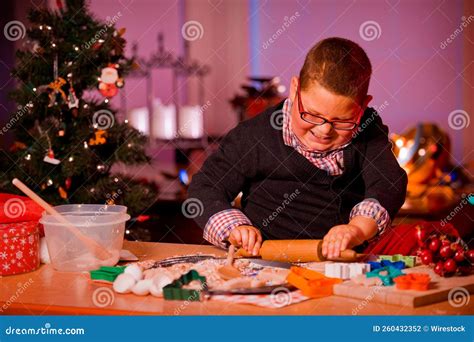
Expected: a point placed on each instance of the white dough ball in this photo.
(158, 282)
(124, 283)
(142, 287)
(135, 271)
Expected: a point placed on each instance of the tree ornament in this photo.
(68, 183)
(49, 158)
(99, 138)
(62, 193)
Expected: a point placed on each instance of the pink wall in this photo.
(419, 80)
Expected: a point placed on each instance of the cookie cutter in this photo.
(409, 260)
(386, 274)
(413, 281)
(384, 263)
(313, 284)
(106, 273)
(175, 290)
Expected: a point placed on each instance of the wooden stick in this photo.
(97, 250)
(230, 255)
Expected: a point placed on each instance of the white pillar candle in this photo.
(164, 121)
(191, 124)
(138, 118)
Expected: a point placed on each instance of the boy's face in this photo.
(318, 100)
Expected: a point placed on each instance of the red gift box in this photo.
(19, 235)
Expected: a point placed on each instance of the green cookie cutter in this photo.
(175, 291)
(387, 279)
(107, 273)
(408, 260)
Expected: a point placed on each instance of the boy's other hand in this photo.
(340, 238)
(247, 237)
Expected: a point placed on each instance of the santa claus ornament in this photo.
(110, 81)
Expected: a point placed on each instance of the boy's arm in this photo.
(219, 226)
(385, 181)
(372, 209)
(220, 179)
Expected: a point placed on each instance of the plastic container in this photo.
(103, 223)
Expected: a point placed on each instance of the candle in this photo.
(164, 121)
(138, 118)
(191, 124)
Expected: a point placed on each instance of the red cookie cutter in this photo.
(413, 281)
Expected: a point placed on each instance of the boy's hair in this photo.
(339, 65)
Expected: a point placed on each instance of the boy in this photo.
(306, 168)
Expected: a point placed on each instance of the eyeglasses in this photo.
(319, 120)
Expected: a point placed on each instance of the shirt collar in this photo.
(290, 138)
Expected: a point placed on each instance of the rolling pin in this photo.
(298, 251)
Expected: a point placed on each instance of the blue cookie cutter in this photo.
(387, 279)
(374, 265)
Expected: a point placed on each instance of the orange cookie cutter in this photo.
(413, 281)
(313, 284)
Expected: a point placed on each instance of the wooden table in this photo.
(48, 292)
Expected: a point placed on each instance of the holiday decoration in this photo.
(423, 152)
(53, 124)
(448, 254)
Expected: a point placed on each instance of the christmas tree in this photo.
(66, 135)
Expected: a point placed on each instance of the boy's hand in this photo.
(247, 237)
(345, 236)
(340, 238)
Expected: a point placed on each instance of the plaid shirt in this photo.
(219, 226)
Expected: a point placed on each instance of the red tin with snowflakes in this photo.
(19, 247)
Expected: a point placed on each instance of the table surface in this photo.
(48, 292)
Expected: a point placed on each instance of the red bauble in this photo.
(426, 257)
(68, 183)
(108, 90)
(420, 236)
(450, 266)
(434, 244)
(470, 255)
(459, 255)
(446, 252)
(439, 268)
